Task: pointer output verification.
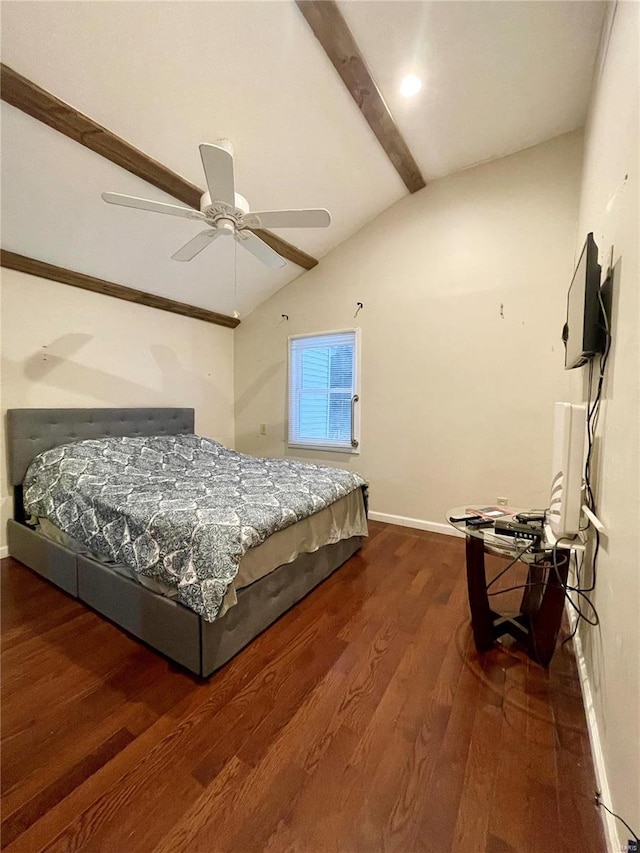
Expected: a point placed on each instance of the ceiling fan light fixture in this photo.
(410, 86)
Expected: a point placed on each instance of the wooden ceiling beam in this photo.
(31, 266)
(45, 107)
(331, 30)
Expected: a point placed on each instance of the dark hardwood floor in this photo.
(362, 721)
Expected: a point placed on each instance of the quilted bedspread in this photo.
(181, 509)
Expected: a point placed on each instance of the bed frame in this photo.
(164, 624)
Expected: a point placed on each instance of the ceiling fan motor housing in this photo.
(208, 207)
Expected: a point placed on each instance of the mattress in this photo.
(179, 509)
(343, 519)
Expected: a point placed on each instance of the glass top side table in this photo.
(538, 623)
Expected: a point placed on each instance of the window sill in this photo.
(325, 448)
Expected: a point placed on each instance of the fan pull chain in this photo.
(236, 313)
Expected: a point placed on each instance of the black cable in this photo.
(568, 589)
(593, 622)
(593, 584)
(593, 410)
(506, 569)
(579, 589)
(596, 619)
(593, 414)
(617, 816)
(519, 586)
(570, 636)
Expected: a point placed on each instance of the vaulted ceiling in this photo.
(165, 76)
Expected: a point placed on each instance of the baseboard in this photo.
(609, 822)
(417, 523)
(4, 551)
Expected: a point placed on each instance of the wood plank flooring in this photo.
(363, 720)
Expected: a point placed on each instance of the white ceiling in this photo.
(497, 76)
(168, 75)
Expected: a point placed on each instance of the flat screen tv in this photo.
(583, 333)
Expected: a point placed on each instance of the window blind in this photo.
(322, 381)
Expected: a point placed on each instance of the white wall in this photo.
(65, 347)
(456, 398)
(609, 208)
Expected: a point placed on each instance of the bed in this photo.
(159, 620)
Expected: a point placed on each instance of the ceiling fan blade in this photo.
(317, 218)
(196, 245)
(218, 169)
(153, 206)
(260, 250)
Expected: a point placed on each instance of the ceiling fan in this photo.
(226, 212)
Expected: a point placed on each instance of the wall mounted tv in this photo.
(583, 333)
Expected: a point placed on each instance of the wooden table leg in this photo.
(481, 615)
(544, 624)
(532, 595)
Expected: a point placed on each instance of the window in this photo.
(323, 389)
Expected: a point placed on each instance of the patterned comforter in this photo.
(181, 509)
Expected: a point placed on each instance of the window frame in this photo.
(325, 446)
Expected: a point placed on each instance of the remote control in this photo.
(477, 523)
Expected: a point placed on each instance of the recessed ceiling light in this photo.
(410, 86)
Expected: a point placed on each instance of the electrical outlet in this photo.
(503, 501)
(263, 429)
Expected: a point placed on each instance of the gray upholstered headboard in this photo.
(32, 431)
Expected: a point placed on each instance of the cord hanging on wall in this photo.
(285, 316)
(359, 308)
